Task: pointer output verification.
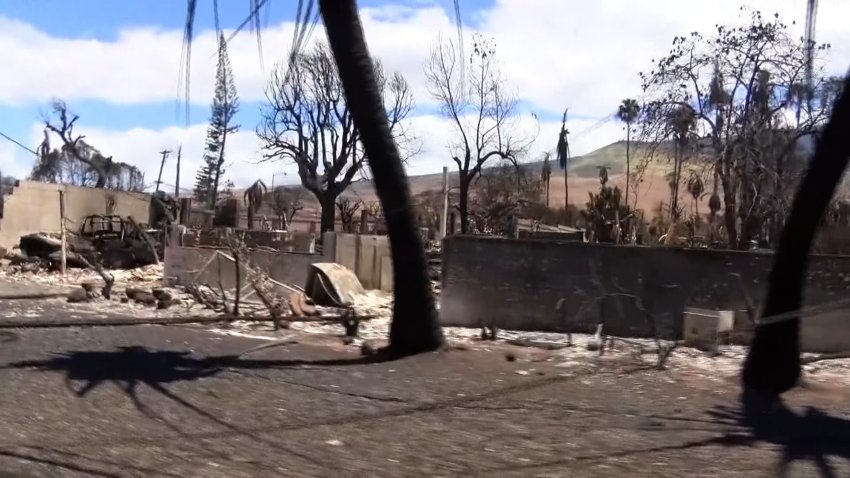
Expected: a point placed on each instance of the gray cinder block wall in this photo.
(518, 283)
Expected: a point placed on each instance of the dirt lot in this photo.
(174, 401)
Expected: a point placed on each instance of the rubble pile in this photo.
(39, 252)
(149, 275)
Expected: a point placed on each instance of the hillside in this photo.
(583, 176)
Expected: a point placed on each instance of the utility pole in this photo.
(164, 154)
(445, 210)
(177, 177)
(63, 264)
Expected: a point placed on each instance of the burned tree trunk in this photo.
(773, 363)
(415, 327)
(328, 215)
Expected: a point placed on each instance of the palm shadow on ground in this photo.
(129, 368)
(812, 435)
(97, 464)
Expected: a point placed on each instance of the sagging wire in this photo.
(804, 312)
(303, 30)
(252, 14)
(257, 26)
(18, 143)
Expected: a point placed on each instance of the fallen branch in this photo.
(277, 343)
(540, 344)
(833, 356)
(108, 279)
(42, 295)
(205, 297)
(43, 322)
(274, 305)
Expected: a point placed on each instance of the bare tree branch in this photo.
(481, 110)
(307, 122)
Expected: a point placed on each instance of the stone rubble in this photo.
(147, 275)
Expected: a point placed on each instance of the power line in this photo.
(591, 128)
(13, 140)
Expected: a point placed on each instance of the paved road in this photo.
(168, 401)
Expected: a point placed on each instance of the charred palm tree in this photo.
(254, 199)
(772, 365)
(545, 174)
(414, 327)
(628, 113)
(562, 151)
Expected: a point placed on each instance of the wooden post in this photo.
(164, 154)
(63, 249)
(177, 176)
(364, 222)
(185, 211)
(445, 211)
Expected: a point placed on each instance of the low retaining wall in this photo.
(185, 264)
(517, 283)
(277, 240)
(368, 256)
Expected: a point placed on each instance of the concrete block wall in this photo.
(185, 264)
(519, 282)
(34, 207)
(368, 256)
(278, 240)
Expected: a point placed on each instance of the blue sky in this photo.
(103, 21)
(116, 65)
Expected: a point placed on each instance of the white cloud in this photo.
(587, 55)
(141, 146)
(556, 53)
(143, 64)
(8, 164)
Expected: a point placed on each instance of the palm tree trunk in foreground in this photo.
(414, 327)
(772, 365)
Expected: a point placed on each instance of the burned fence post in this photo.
(185, 211)
(64, 247)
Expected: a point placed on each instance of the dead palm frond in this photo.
(254, 195)
(562, 150)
